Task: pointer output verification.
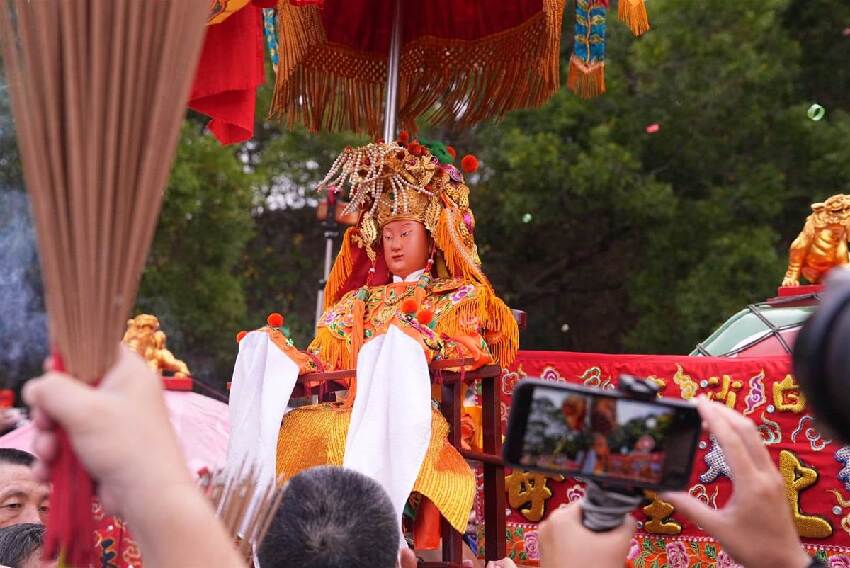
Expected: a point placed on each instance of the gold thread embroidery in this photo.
(660, 513)
(787, 396)
(798, 477)
(527, 488)
(687, 386)
(727, 392)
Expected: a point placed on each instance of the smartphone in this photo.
(605, 435)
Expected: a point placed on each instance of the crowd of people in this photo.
(329, 516)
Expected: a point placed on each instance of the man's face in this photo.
(405, 247)
(23, 499)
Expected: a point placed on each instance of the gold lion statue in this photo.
(822, 244)
(145, 338)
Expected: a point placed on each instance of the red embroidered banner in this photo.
(817, 470)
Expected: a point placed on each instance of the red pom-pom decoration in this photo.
(469, 163)
(452, 152)
(241, 335)
(275, 319)
(416, 148)
(403, 137)
(409, 306)
(425, 316)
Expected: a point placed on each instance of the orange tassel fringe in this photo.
(331, 349)
(587, 81)
(633, 14)
(341, 271)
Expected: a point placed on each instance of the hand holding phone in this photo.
(609, 436)
(757, 511)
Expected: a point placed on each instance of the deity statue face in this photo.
(405, 246)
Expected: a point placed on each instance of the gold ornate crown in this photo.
(390, 182)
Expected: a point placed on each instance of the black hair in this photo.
(332, 517)
(13, 456)
(19, 542)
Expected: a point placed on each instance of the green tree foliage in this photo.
(191, 281)
(646, 242)
(282, 265)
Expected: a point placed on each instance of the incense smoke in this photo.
(23, 322)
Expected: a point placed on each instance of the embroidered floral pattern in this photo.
(462, 293)
(677, 555)
(726, 561)
(575, 493)
(531, 547)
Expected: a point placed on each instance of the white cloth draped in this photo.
(390, 421)
(263, 379)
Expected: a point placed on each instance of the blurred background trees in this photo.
(611, 237)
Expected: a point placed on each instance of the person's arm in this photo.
(122, 434)
(758, 511)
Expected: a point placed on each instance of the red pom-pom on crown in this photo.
(469, 163)
(416, 148)
(452, 152)
(403, 137)
(275, 319)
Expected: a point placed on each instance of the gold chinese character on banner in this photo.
(659, 513)
(727, 394)
(787, 396)
(798, 477)
(527, 488)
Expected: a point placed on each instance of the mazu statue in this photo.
(406, 289)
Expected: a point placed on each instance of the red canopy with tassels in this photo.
(461, 60)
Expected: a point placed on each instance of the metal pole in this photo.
(331, 233)
(390, 116)
(391, 106)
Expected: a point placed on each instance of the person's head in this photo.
(20, 546)
(332, 517)
(23, 498)
(405, 245)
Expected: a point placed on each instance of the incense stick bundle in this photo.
(245, 506)
(99, 89)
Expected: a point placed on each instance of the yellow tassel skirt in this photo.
(315, 435)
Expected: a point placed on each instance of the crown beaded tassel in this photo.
(633, 14)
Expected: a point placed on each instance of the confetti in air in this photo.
(816, 112)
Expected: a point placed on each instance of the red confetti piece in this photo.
(653, 128)
(846, 32)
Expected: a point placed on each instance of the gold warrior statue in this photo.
(406, 289)
(822, 244)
